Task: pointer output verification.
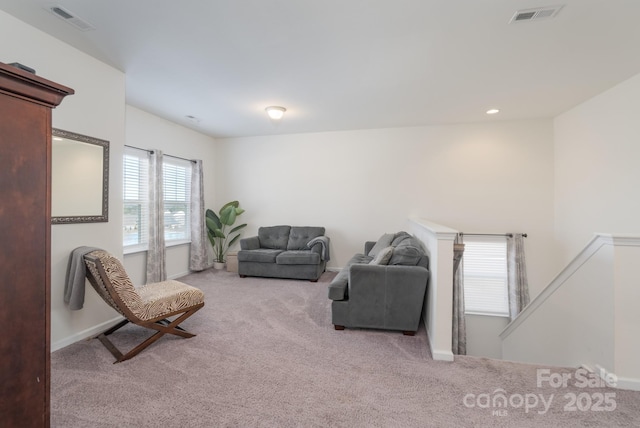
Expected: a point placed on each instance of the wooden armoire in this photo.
(26, 101)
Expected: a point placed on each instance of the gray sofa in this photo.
(296, 252)
(383, 288)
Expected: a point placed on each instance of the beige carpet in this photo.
(266, 355)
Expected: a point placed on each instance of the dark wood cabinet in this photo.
(26, 101)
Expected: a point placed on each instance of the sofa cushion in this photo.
(383, 256)
(383, 242)
(274, 237)
(407, 253)
(262, 255)
(299, 236)
(298, 257)
(359, 258)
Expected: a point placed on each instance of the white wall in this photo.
(596, 168)
(492, 177)
(483, 335)
(96, 109)
(146, 131)
(596, 190)
(588, 315)
(574, 324)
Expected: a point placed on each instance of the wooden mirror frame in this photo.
(101, 218)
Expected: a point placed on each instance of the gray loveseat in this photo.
(383, 288)
(296, 252)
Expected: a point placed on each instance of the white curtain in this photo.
(198, 259)
(459, 336)
(156, 270)
(516, 274)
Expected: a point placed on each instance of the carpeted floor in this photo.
(266, 355)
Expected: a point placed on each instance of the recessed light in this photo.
(493, 111)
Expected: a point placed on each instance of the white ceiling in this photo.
(350, 64)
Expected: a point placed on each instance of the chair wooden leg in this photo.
(162, 327)
(115, 327)
(338, 327)
(172, 327)
(110, 346)
(135, 351)
(409, 333)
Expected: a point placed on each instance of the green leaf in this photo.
(211, 215)
(228, 215)
(239, 211)
(212, 224)
(237, 228)
(235, 238)
(233, 204)
(212, 238)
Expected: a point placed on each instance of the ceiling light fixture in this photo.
(493, 111)
(275, 112)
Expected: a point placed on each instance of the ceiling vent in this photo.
(70, 18)
(535, 14)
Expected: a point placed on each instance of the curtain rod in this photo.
(151, 152)
(510, 235)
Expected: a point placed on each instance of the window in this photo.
(177, 198)
(176, 193)
(485, 276)
(136, 198)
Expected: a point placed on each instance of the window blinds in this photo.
(177, 198)
(485, 276)
(136, 197)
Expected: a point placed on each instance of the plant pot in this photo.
(218, 265)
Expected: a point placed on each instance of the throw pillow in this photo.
(399, 237)
(406, 255)
(383, 256)
(383, 242)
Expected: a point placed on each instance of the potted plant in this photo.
(217, 225)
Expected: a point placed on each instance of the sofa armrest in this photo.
(389, 297)
(338, 291)
(320, 245)
(252, 243)
(368, 246)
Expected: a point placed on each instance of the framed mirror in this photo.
(79, 178)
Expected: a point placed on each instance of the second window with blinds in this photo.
(485, 275)
(176, 194)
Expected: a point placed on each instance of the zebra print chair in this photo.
(150, 306)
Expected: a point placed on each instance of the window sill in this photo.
(133, 249)
(177, 243)
(486, 314)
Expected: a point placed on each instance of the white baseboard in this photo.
(628, 383)
(621, 382)
(333, 269)
(180, 275)
(93, 331)
(437, 354)
(441, 354)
